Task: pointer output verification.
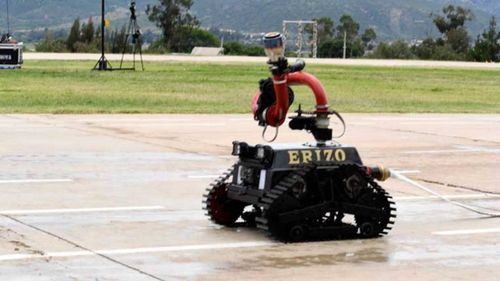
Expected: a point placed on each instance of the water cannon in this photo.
(274, 44)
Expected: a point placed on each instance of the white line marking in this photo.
(408, 171)
(479, 148)
(467, 231)
(35, 181)
(437, 151)
(131, 120)
(250, 244)
(458, 149)
(475, 209)
(81, 210)
(361, 123)
(227, 157)
(184, 124)
(418, 119)
(204, 177)
(464, 196)
(179, 124)
(446, 122)
(241, 119)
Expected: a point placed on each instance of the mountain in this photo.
(40, 14)
(492, 6)
(391, 18)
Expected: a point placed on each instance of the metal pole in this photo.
(285, 34)
(102, 28)
(345, 44)
(8, 19)
(315, 40)
(102, 63)
(300, 42)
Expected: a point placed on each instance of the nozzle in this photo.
(379, 173)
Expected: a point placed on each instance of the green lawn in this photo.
(70, 87)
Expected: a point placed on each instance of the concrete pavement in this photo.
(118, 197)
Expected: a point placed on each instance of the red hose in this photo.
(276, 113)
(303, 78)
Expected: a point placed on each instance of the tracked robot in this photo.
(299, 192)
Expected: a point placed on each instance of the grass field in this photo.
(70, 87)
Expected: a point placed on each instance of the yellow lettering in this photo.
(307, 156)
(293, 157)
(340, 155)
(328, 154)
(318, 155)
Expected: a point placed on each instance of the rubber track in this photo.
(211, 190)
(276, 192)
(272, 197)
(392, 205)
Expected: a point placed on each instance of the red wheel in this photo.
(221, 209)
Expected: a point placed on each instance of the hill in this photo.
(391, 18)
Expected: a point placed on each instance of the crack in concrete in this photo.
(113, 260)
(475, 189)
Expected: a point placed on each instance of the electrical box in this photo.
(11, 55)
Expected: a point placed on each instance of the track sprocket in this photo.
(220, 209)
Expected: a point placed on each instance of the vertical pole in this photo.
(102, 29)
(300, 42)
(315, 40)
(102, 63)
(284, 35)
(8, 19)
(345, 43)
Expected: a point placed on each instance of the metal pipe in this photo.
(304, 78)
(276, 114)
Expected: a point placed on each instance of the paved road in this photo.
(235, 59)
(117, 197)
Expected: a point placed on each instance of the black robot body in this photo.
(299, 192)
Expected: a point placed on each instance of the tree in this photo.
(238, 49)
(458, 39)
(325, 29)
(118, 40)
(74, 35)
(369, 37)
(173, 17)
(334, 48)
(454, 18)
(452, 26)
(394, 50)
(487, 46)
(426, 50)
(234, 48)
(88, 32)
(348, 26)
(50, 43)
(192, 37)
(431, 49)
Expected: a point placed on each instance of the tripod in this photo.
(133, 31)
